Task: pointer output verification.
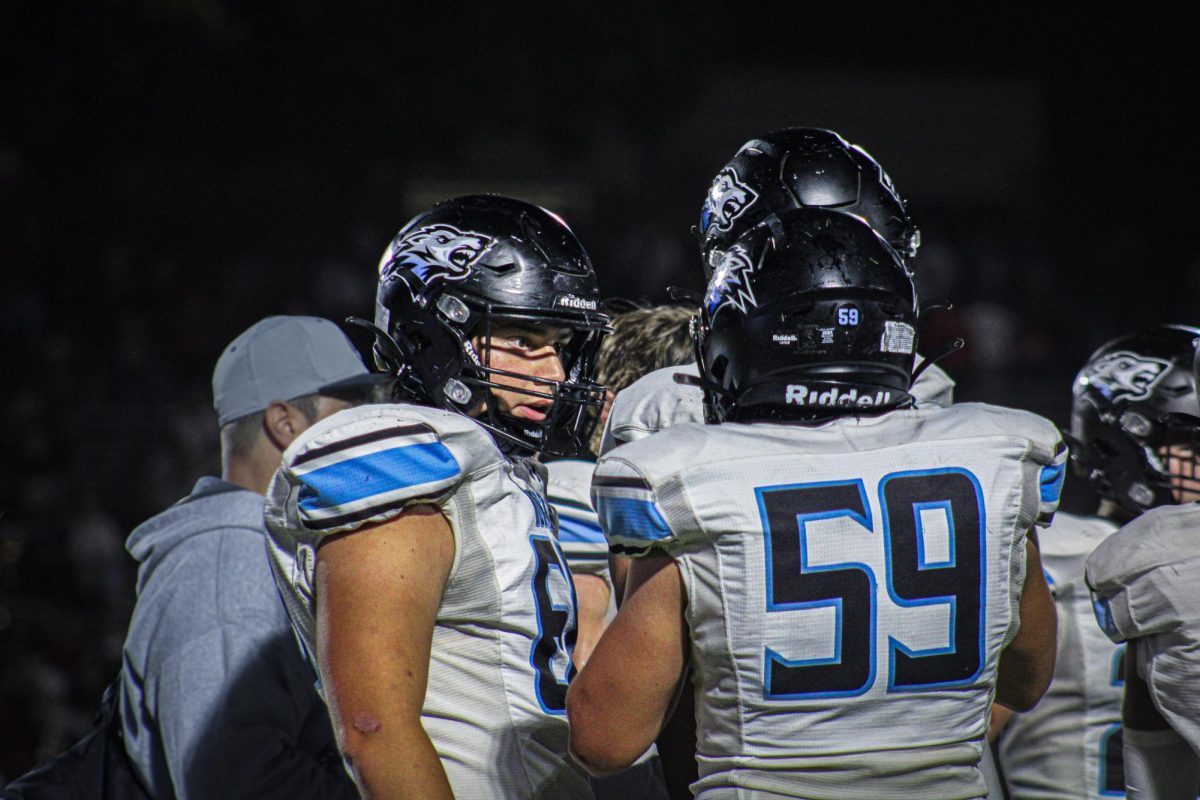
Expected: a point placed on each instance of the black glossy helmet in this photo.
(801, 168)
(455, 271)
(809, 315)
(1133, 398)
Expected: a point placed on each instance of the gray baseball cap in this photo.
(282, 358)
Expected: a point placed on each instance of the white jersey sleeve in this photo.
(1070, 743)
(505, 625)
(933, 387)
(850, 587)
(660, 399)
(579, 534)
(672, 396)
(1146, 584)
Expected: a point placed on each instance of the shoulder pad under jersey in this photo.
(660, 399)
(933, 387)
(368, 464)
(1146, 576)
(637, 490)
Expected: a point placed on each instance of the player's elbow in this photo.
(593, 742)
(1024, 677)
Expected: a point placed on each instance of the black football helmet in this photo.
(455, 271)
(809, 315)
(800, 168)
(1135, 397)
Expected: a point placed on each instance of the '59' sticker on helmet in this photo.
(1124, 375)
(437, 251)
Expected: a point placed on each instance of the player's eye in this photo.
(519, 342)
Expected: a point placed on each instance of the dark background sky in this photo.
(171, 171)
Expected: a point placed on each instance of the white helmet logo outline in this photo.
(728, 198)
(1124, 375)
(438, 251)
(730, 282)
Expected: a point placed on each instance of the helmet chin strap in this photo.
(383, 340)
(937, 355)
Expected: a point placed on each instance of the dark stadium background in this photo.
(172, 171)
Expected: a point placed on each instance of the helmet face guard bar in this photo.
(576, 401)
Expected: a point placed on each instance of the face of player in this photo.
(1181, 463)
(527, 349)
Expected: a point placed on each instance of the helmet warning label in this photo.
(897, 337)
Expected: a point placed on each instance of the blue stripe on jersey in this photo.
(1104, 617)
(574, 531)
(632, 519)
(376, 473)
(1052, 482)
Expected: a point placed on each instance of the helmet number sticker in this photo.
(847, 315)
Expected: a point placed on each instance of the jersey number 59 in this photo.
(956, 579)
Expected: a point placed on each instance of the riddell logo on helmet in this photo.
(571, 301)
(803, 396)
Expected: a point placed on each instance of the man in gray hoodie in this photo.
(217, 700)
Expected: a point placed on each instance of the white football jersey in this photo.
(1069, 745)
(670, 396)
(568, 486)
(1146, 581)
(501, 656)
(850, 586)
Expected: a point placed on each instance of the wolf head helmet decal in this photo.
(1133, 400)
(1124, 375)
(437, 251)
(730, 284)
(727, 198)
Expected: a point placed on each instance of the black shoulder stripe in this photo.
(366, 438)
(562, 501)
(620, 482)
(1059, 448)
(359, 516)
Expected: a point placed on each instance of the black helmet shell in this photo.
(454, 271)
(1135, 395)
(809, 314)
(801, 168)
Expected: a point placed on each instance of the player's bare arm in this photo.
(618, 703)
(1027, 664)
(593, 594)
(378, 591)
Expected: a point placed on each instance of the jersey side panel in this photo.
(1069, 745)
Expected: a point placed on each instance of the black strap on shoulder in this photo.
(94, 768)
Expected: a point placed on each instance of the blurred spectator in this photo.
(216, 698)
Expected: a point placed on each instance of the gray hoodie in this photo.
(216, 699)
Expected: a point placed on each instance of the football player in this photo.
(1146, 577)
(788, 168)
(412, 542)
(642, 340)
(843, 570)
(1124, 401)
